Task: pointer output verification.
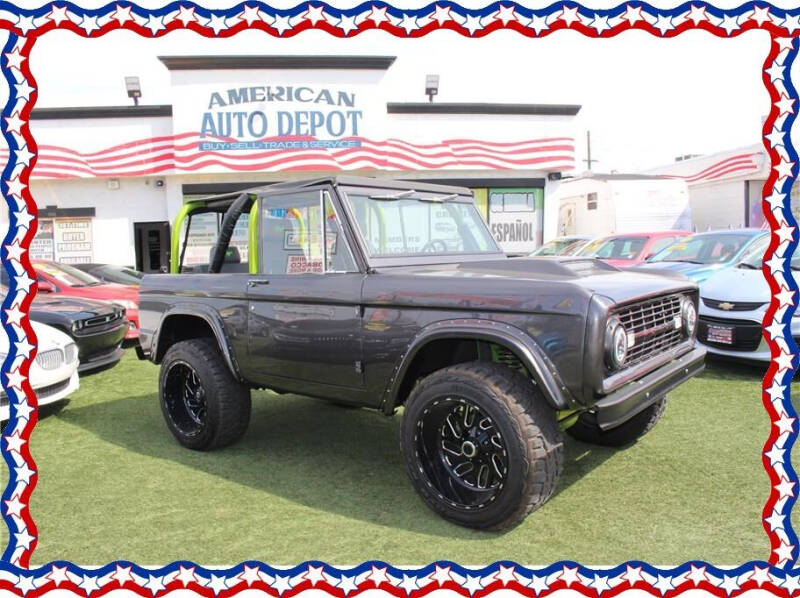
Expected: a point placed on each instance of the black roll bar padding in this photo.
(240, 205)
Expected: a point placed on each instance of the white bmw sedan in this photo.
(53, 373)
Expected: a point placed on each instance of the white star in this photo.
(282, 584)
(775, 391)
(24, 90)
(664, 584)
(155, 24)
(409, 23)
(217, 584)
(697, 14)
(347, 584)
(505, 14)
(89, 584)
(760, 15)
(14, 507)
(600, 583)
(186, 15)
(409, 584)
(378, 15)
(58, 14)
(122, 575)
(154, 584)
(89, 24)
(14, 315)
(24, 348)
(441, 14)
(281, 24)
(791, 23)
(664, 24)
(776, 200)
(600, 23)
(538, 24)
(314, 575)
(24, 411)
(472, 24)
(15, 58)
(775, 521)
(186, 575)
(347, 23)
(315, 13)
(14, 251)
(785, 424)
(569, 575)
(473, 584)
(632, 574)
(123, 14)
(24, 473)
(569, 15)
(791, 583)
(15, 187)
(784, 297)
(25, 23)
(250, 14)
(785, 105)
(729, 23)
(250, 575)
(506, 574)
(378, 575)
(24, 539)
(538, 584)
(729, 584)
(442, 575)
(784, 361)
(761, 575)
(24, 282)
(785, 43)
(783, 552)
(24, 156)
(25, 583)
(775, 137)
(57, 575)
(217, 23)
(775, 263)
(15, 379)
(14, 442)
(14, 123)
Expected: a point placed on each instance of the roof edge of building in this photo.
(75, 112)
(482, 108)
(239, 62)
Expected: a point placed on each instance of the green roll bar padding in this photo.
(252, 237)
(175, 241)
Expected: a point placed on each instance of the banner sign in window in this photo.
(516, 218)
(42, 246)
(73, 240)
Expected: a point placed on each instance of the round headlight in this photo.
(689, 316)
(616, 343)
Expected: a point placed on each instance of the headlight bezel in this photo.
(689, 317)
(615, 338)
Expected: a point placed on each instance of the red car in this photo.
(52, 277)
(624, 251)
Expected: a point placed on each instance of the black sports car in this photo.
(97, 327)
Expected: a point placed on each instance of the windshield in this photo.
(66, 275)
(704, 249)
(396, 226)
(554, 247)
(618, 248)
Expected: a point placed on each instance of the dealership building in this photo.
(109, 180)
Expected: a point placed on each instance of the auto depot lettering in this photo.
(325, 116)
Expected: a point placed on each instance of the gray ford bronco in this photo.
(393, 295)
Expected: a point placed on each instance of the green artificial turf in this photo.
(315, 481)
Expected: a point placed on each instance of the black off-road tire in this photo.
(587, 430)
(528, 428)
(227, 400)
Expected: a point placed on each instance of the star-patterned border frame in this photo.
(777, 574)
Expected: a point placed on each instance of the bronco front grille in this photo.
(654, 325)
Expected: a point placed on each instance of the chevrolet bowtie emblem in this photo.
(726, 306)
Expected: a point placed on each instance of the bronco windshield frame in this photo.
(427, 194)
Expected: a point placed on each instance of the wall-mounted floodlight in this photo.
(431, 86)
(134, 89)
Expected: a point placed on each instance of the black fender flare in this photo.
(214, 321)
(522, 344)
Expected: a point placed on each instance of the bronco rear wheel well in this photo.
(444, 352)
(181, 327)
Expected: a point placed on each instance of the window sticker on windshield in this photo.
(298, 264)
(297, 240)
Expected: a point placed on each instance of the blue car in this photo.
(700, 255)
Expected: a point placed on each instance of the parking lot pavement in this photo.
(312, 480)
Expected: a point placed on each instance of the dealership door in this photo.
(304, 320)
(152, 246)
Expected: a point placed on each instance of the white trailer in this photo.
(604, 204)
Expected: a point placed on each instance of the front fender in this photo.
(522, 344)
(210, 317)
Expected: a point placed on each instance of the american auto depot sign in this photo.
(269, 117)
